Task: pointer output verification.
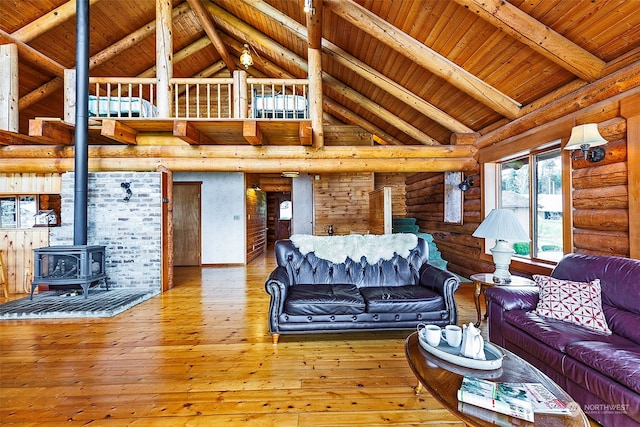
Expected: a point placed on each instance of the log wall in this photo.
(398, 191)
(599, 196)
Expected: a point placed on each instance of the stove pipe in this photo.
(81, 158)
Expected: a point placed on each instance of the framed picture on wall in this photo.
(453, 198)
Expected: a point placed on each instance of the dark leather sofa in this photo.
(601, 372)
(312, 295)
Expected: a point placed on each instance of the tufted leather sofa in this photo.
(310, 294)
(601, 372)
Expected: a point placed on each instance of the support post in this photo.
(9, 88)
(240, 92)
(164, 57)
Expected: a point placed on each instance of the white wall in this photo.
(223, 216)
(302, 199)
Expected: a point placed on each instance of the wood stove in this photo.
(69, 267)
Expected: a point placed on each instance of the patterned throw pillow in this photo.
(575, 302)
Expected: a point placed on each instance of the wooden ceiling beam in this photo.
(13, 138)
(363, 70)
(537, 36)
(232, 23)
(118, 131)
(180, 55)
(252, 132)
(55, 131)
(190, 134)
(48, 21)
(33, 56)
(210, 29)
(424, 56)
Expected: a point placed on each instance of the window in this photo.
(531, 186)
(286, 210)
(22, 211)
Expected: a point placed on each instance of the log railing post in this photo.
(240, 100)
(164, 57)
(70, 96)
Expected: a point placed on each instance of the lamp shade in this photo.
(586, 134)
(501, 224)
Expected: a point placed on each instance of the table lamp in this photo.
(502, 225)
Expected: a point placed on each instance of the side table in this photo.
(485, 280)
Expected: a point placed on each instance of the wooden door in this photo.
(186, 223)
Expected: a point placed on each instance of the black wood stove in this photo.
(69, 267)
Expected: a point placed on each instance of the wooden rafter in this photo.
(537, 36)
(209, 28)
(33, 56)
(365, 71)
(424, 56)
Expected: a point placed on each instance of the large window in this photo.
(531, 186)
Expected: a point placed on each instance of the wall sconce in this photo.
(126, 187)
(308, 7)
(466, 184)
(245, 57)
(587, 138)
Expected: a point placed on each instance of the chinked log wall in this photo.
(600, 204)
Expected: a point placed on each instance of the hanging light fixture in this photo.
(585, 136)
(245, 57)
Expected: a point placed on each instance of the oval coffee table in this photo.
(443, 379)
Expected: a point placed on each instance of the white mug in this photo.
(453, 335)
(432, 334)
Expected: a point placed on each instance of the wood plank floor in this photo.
(201, 355)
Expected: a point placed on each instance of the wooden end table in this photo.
(443, 379)
(485, 280)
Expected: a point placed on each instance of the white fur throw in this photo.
(373, 247)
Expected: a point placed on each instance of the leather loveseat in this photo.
(310, 294)
(600, 371)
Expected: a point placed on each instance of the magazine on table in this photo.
(511, 398)
(500, 397)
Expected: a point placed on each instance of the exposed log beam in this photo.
(363, 70)
(48, 21)
(253, 134)
(209, 28)
(627, 79)
(167, 148)
(269, 46)
(306, 134)
(272, 159)
(14, 138)
(55, 131)
(243, 165)
(537, 36)
(180, 55)
(424, 56)
(190, 134)
(32, 56)
(118, 131)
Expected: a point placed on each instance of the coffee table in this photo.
(443, 379)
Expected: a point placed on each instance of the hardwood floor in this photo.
(200, 354)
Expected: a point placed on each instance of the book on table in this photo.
(519, 400)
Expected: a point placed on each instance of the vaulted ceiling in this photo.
(411, 72)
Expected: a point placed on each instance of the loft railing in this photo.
(197, 98)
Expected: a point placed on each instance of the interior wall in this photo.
(342, 200)
(302, 199)
(223, 215)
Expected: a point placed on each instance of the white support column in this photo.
(9, 96)
(164, 57)
(70, 95)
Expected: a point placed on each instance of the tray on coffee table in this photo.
(452, 354)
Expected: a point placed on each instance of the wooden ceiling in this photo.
(411, 72)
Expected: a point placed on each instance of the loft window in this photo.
(531, 186)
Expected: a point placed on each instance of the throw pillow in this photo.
(579, 303)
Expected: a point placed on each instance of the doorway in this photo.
(279, 218)
(187, 224)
